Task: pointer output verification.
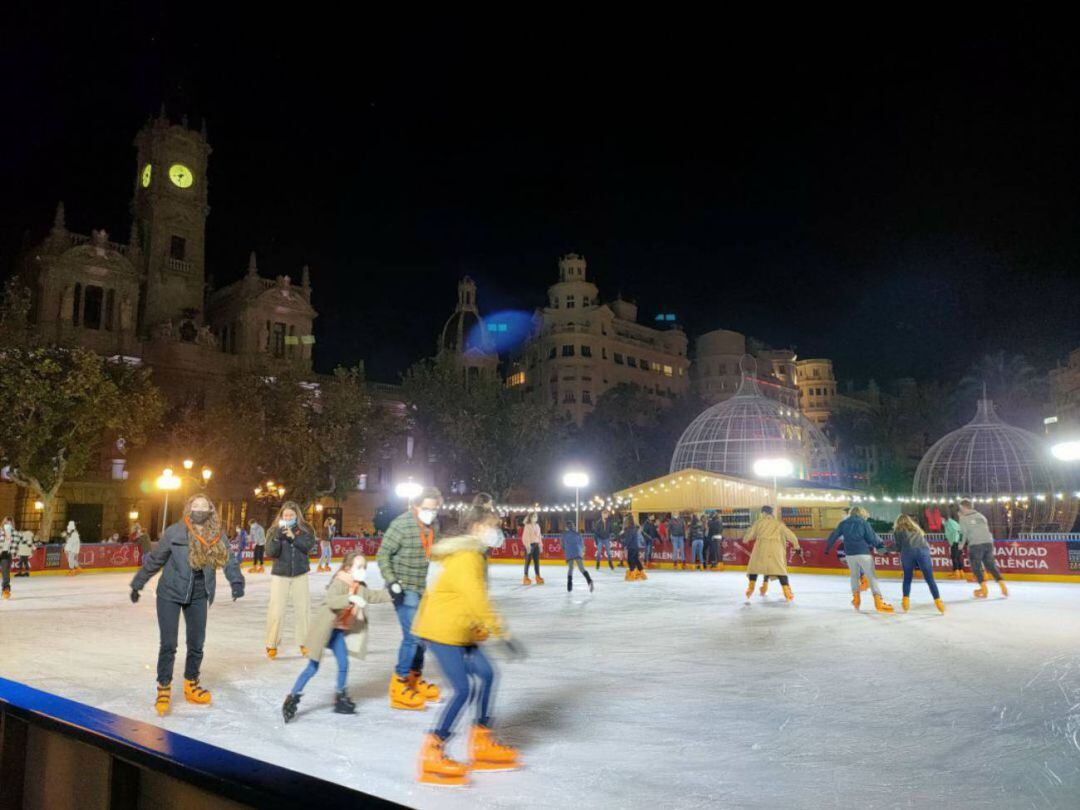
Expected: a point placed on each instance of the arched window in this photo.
(77, 307)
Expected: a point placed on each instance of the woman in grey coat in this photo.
(188, 556)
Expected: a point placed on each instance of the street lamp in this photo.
(774, 468)
(167, 482)
(1067, 451)
(576, 480)
(207, 473)
(188, 463)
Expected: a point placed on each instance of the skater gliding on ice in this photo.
(573, 545)
(532, 538)
(8, 546)
(189, 555)
(602, 534)
(769, 558)
(910, 541)
(455, 618)
(25, 551)
(980, 548)
(859, 538)
(404, 557)
(288, 544)
(72, 544)
(258, 547)
(329, 530)
(632, 540)
(342, 617)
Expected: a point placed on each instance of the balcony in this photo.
(177, 265)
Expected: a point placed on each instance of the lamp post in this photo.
(576, 480)
(269, 493)
(167, 482)
(774, 468)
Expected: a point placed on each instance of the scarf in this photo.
(205, 552)
(427, 536)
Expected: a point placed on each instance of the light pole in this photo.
(167, 482)
(576, 480)
(774, 468)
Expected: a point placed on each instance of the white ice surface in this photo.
(669, 693)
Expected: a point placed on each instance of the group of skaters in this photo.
(965, 528)
(451, 620)
(17, 547)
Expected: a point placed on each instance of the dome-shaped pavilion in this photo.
(1008, 469)
(731, 435)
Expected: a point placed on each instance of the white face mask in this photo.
(493, 537)
(358, 572)
(426, 516)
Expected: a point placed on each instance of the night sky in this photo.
(899, 206)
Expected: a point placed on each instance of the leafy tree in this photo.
(310, 434)
(487, 434)
(619, 436)
(60, 406)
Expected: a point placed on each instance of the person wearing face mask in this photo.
(72, 544)
(403, 558)
(8, 543)
(258, 547)
(532, 539)
(25, 551)
(289, 545)
(340, 626)
(188, 555)
(455, 617)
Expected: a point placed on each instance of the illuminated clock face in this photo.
(181, 175)
(146, 176)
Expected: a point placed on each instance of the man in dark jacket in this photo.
(677, 533)
(714, 542)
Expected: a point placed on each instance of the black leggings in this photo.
(633, 558)
(957, 557)
(168, 616)
(782, 577)
(533, 555)
(257, 555)
(5, 571)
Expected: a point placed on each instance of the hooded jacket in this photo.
(573, 545)
(177, 576)
(631, 538)
(456, 610)
(974, 529)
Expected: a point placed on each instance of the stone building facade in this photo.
(1064, 411)
(581, 347)
(817, 389)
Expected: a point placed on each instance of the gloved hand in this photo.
(134, 596)
(237, 591)
(396, 593)
(357, 600)
(514, 648)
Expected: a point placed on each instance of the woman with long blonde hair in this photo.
(910, 541)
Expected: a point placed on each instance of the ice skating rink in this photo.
(674, 692)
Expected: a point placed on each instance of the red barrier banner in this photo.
(91, 555)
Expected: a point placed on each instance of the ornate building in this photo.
(716, 370)
(817, 389)
(149, 298)
(582, 346)
(465, 336)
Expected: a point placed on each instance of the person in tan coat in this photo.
(769, 558)
(342, 626)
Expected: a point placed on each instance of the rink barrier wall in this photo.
(1046, 559)
(56, 752)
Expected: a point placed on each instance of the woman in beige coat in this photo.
(769, 557)
(341, 618)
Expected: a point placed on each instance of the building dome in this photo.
(730, 436)
(1008, 468)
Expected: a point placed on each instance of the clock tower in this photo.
(170, 209)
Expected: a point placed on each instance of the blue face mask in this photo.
(288, 523)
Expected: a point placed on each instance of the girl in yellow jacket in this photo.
(454, 618)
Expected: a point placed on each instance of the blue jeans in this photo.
(463, 666)
(648, 549)
(910, 558)
(678, 551)
(337, 645)
(324, 556)
(603, 547)
(411, 653)
(697, 551)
